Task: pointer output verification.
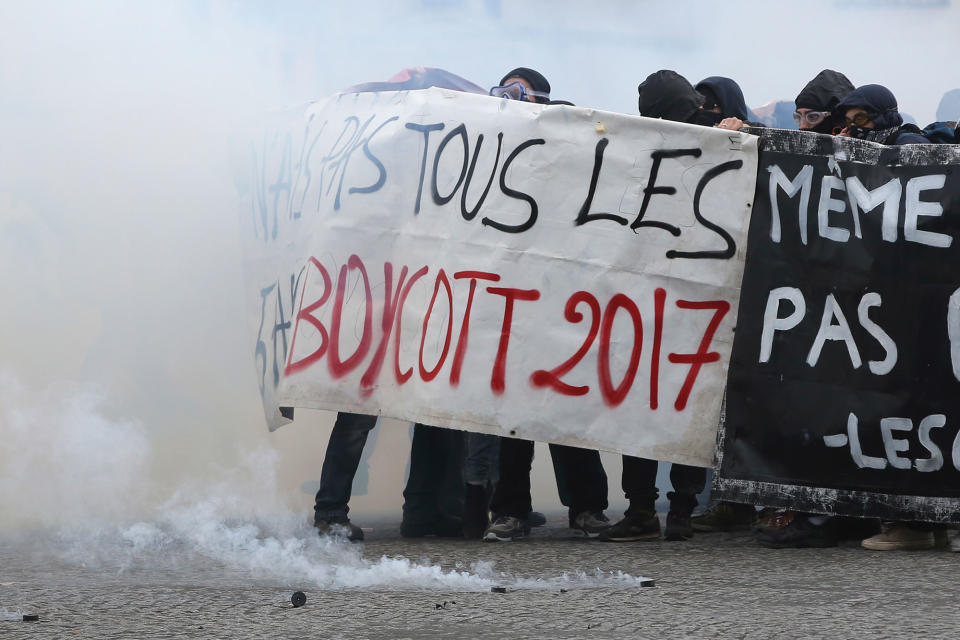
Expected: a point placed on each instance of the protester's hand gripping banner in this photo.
(842, 393)
(546, 272)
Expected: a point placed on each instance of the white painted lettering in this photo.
(935, 461)
(915, 208)
(892, 446)
(862, 461)
(953, 331)
(802, 185)
(888, 194)
(772, 322)
(827, 204)
(956, 452)
(830, 331)
(877, 367)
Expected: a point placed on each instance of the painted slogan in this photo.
(547, 272)
(844, 380)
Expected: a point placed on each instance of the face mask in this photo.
(826, 126)
(860, 133)
(706, 118)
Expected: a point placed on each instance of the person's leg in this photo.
(433, 496)
(511, 499)
(479, 474)
(482, 459)
(340, 465)
(687, 482)
(512, 495)
(640, 522)
(639, 482)
(581, 480)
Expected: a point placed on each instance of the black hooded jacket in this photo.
(728, 96)
(668, 95)
(888, 123)
(823, 93)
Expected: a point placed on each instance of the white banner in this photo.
(547, 272)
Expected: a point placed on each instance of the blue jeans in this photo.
(340, 464)
(481, 466)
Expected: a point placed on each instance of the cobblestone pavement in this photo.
(718, 585)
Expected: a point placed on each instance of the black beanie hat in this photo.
(535, 78)
(668, 95)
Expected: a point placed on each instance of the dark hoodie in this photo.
(668, 95)
(823, 93)
(888, 124)
(536, 79)
(727, 94)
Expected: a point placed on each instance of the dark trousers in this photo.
(639, 483)
(340, 464)
(581, 481)
(434, 490)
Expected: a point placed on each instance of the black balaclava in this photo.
(668, 95)
(823, 93)
(727, 94)
(878, 100)
(536, 79)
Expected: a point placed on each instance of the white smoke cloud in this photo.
(118, 233)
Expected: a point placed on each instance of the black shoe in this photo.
(536, 519)
(642, 525)
(476, 514)
(799, 534)
(725, 516)
(678, 527)
(339, 527)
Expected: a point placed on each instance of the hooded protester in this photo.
(668, 95)
(724, 98)
(817, 102)
(523, 83)
(871, 113)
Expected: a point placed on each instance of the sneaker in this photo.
(476, 515)
(536, 519)
(506, 529)
(590, 524)
(899, 537)
(678, 527)
(339, 528)
(725, 516)
(800, 533)
(643, 525)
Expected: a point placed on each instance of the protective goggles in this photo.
(813, 118)
(516, 91)
(861, 119)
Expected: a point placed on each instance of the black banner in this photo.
(844, 387)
